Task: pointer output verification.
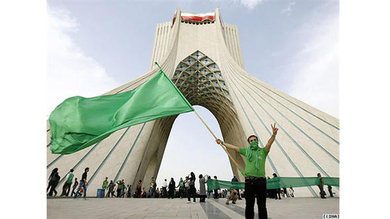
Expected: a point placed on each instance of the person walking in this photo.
(209, 190)
(235, 180)
(330, 191)
(291, 190)
(54, 178)
(118, 188)
(128, 194)
(255, 181)
(83, 184)
(321, 185)
(192, 189)
(67, 184)
(139, 187)
(202, 187)
(277, 190)
(153, 186)
(164, 189)
(216, 195)
(75, 184)
(187, 186)
(111, 187)
(181, 187)
(172, 188)
(104, 185)
(123, 188)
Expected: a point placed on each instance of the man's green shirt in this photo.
(105, 183)
(70, 178)
(250, 169)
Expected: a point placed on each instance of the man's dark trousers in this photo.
(255, 187)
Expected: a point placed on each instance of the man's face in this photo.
(87, 170)
(253, 138)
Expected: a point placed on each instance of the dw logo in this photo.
(328, 216)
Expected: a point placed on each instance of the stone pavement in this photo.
(179, 208)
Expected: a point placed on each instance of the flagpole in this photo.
(224, 148)
(212, 133)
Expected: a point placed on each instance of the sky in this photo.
(95, 46)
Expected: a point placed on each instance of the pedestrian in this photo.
(255, 181)
(164, 188)
(83, 184)
(216, 195)
(123, 188)
(277, 190)
(51, 177)
(233, 196)
(157, 193)
(330, 191)
(187, 186)
(104, 185)
(128, 194)
(235, 180)
(192, 189)
(171, 187)
(181, 187)
(118, 188)
(285, 193)
(111, 187)
(321, 185)
(138, 189)
(291, 192)
(143, 193)
(209, 190)
(54, 178)
(75, 184)
(153, 186)
(202, 187)
(67, 184)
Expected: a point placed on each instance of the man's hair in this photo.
(71, 170)
(253, 136)
(86, 169)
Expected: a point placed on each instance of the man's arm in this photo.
(233, 147)
(272, 139)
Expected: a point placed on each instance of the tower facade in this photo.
(202, 56)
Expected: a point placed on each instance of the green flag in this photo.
(276, 183)
(79, 122)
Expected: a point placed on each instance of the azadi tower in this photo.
(202, 56)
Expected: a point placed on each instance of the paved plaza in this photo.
(179, 208)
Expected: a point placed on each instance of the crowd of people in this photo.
(183, 189)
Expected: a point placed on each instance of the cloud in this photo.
(250, 3)
(71, 71)
(287, 11)
(315, 68)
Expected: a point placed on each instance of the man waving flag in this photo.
(80, 122)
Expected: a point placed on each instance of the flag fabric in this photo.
(80, 122)
(276, 183)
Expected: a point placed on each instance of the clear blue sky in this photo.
(95, 46)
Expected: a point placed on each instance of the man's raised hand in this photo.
(274, 129)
